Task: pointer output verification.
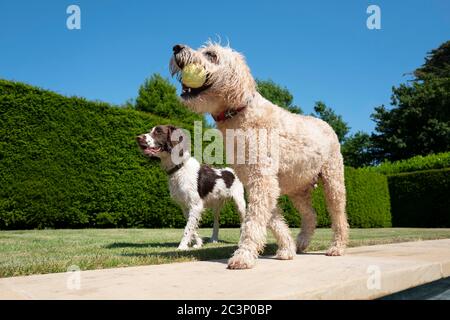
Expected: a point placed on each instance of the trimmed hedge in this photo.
(71, 163)
(417, 163)
(418, 187)
(368, 203)
(420, 199)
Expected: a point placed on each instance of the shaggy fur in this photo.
(193, 186)
(308, 150)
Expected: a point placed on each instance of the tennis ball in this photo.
(193, 75)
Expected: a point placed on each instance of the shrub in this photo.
(368, 203)
(417, 163)
(420, 199)
(70, 163)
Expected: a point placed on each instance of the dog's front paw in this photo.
(183, 247)
(285, 254)
(242, 259)
(335, 251)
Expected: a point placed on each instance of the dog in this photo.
(193, 186)
(308, 150)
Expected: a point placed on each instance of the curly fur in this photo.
(308, 150)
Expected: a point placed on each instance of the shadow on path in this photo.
(201, 254)
(115, 245)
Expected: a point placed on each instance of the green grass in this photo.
(47, 251)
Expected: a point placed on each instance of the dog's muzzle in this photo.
(146, 149)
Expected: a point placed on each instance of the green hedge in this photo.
(420, 199)
(368, 203)
(417, 163)
(68, 163)
(71, 163)
(418, 189)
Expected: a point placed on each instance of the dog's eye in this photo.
(211, 56)
(158, 130)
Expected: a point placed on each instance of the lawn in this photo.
(46, 251)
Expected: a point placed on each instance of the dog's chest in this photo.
(183, 185)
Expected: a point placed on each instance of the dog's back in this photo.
(194, 183)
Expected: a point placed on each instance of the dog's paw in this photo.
(242, 259)
(302, 243)
(335, 251)
(183, 247)
(285, 254)
(213, 240)
(197, 245)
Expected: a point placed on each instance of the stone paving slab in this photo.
(363, 273)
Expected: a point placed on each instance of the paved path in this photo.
(364, 273)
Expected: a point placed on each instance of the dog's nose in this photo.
(177, 48)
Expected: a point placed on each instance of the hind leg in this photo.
(215, 234)
(303, 202)
(279, 228)
(198, 241)
(335, 196)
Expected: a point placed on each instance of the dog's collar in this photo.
(174, 169)
(227, 114)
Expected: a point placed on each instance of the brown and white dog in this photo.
(193, 186)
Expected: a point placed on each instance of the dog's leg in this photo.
(198, 241)
(190, 231)
(303, 203)
(334, 189)
(195, 240)
(286, 245)
(263, 190)
(239, 200)
(215, 234)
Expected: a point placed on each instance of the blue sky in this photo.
(319, 50)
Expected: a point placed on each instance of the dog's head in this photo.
(159, 143)
(229, 83)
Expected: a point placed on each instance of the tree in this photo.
(357, 150)
(335, 121)
(158, 96)
(277, 95)
(437, 63)
(419, 121)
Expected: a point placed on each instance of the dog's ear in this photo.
(170, 142)
(170, 130)
(176, 138)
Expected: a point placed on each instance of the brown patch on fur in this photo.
(206, 181)
(228, 177)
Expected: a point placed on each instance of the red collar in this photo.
(227, 114)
